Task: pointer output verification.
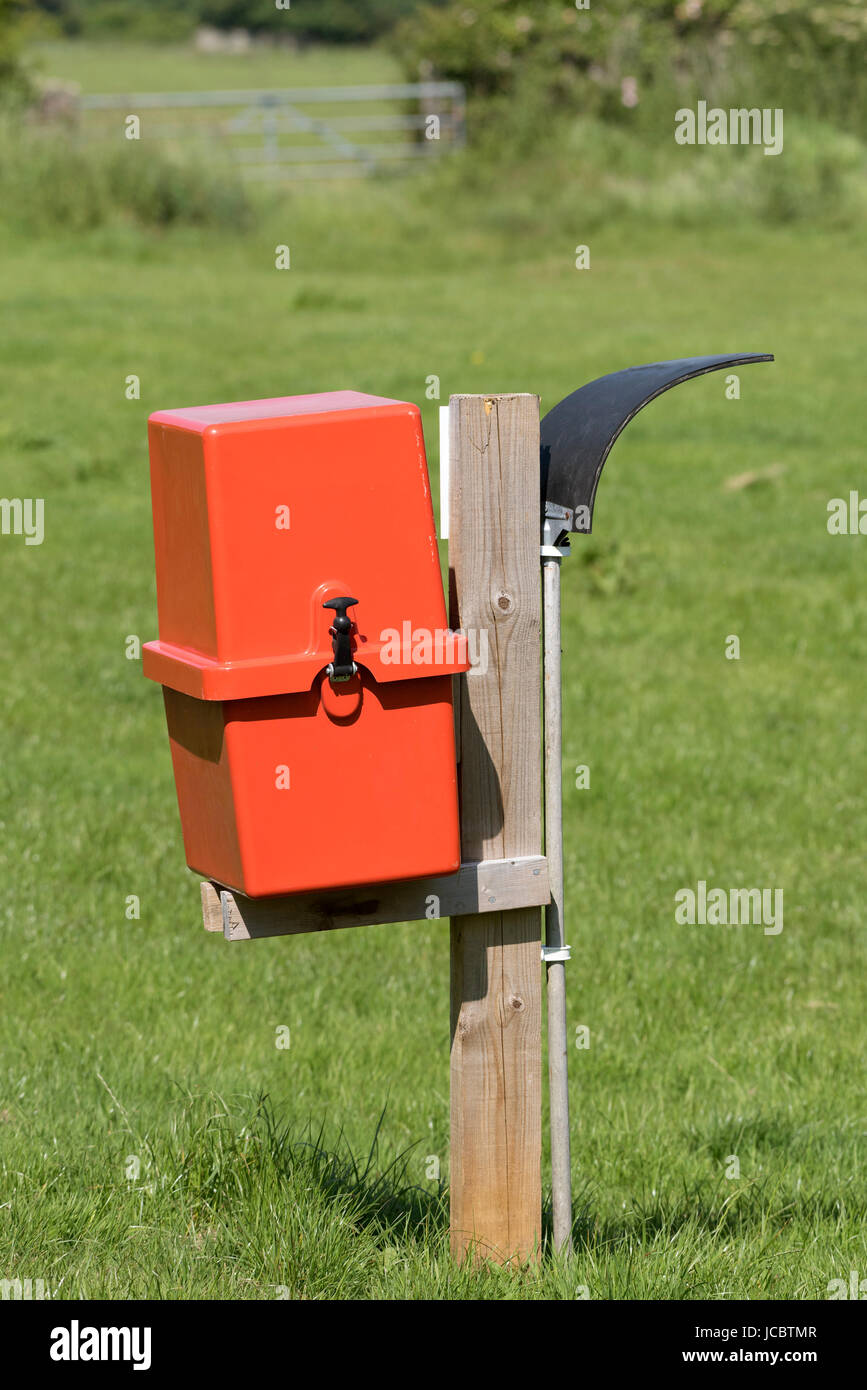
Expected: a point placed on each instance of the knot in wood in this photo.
(504, 603)
(512, 1004)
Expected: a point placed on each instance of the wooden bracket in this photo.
(491, 885)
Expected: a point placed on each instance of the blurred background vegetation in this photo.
(581, 99)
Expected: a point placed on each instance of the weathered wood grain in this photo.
(495, 1177)
(212, 908)
(477, 887)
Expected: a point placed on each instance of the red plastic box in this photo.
(264, 510)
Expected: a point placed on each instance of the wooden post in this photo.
(496, 1014)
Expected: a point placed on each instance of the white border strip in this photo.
(445, 463)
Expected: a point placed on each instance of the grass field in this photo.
(118, 65)
(154, 1140)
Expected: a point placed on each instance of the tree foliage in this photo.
(607, 57)
(14, 84)
(330, 21)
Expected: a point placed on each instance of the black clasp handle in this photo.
(342, 668)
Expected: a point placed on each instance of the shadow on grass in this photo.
(383, 1200)
(727, 1210)
(219, 1161)
(221, 1153)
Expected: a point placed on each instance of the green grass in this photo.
(117, 65)
(137, 1155)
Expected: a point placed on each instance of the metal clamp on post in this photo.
(552, 953)
(556, 525)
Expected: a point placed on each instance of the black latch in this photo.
(342, 668)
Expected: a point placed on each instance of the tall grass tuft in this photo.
(49, 180)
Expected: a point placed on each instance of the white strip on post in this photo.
(444, 472)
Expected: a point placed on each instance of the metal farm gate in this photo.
(303, 132)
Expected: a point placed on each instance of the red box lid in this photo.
(265, 509)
